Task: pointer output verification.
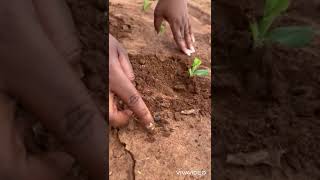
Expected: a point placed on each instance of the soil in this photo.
(181, 105)
(266, 100)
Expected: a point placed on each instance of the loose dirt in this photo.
(181, 105)
(266, 103)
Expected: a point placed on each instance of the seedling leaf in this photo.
(255, 31)
(146, 5)
(201, 72)
(294, 36)
(162, 28)
(193, 71)
(269, 5)
(196, 63)
(265, 25)
(275, 7)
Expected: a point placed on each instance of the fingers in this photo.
(188, 38)
(117, 118)
(49, 89)
(182, 32)
(128, 93)
(125, 63)
(56, 20)
(191, 33)
(120, 119)
(158, 18)
(177, 34)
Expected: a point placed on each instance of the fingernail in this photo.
(188, 52)
(192, 49)
(150, 127)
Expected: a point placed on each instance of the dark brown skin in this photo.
(176, 13)
(52, 21)
(34, 69)
(15, 163)
(120, 83)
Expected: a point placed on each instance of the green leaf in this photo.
(275, 7)
(162, 28)
(294, 36)
(269, 5)
(201, 72)
(255, 31)
(196, 63)
(265, 25)
(146, 5)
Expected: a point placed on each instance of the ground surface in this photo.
(182, 142)
(272, 108)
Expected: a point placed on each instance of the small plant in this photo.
(162, 28)
(146, 5)
(293, 36)
(194, 71)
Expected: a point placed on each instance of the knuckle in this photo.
(131, 76)
(133, 99)
(176, 21)
(179, 38)
(74, 56)
(77, 125)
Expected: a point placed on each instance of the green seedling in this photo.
(194, 71)
(162, 28)
(292, 36)
(146, 5)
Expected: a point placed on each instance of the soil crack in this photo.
(131, 156)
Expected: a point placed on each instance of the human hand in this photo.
(176, 13)
(34, 70)
(120, 83)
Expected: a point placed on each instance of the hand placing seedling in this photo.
(176, 13)
(194, 71)
(294, 36)
(120, 83)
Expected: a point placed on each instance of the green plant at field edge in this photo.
(292, 36)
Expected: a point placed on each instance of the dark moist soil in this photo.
(90, 20)
(267, 99)
(181, 105)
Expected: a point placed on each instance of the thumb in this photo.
(120, 118)
(158, 18)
